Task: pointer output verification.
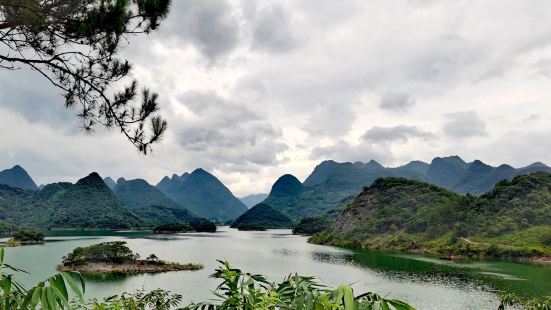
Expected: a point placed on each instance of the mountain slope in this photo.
(138, 193)
(150, 203)
(406, 215)
(261, 217)
(87, 204)
(252, 200)
(203, 194)
(17, 177)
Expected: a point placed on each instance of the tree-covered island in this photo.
(116, 257)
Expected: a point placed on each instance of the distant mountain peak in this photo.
(121, 180)
(203, 194)
(454, 158)
(538, 164)
(17, 177)
(110, 182)
(286, 185)
(479, 164)
(17, 167)
(92, 178)
(374, 164)
(254, 199)
(200, 171)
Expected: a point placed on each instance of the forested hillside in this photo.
(514, 219)
(87, 204)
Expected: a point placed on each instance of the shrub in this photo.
(28, 236)
(203, 225)
(107, 252)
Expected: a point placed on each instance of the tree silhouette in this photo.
(74, 44)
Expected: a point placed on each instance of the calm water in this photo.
(426, 283)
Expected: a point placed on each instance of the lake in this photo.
(424, 282)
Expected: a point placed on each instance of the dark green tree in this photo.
(74, 44)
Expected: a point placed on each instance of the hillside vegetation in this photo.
(262, 217)
(87, 204)
(513, 220)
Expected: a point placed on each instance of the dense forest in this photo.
(514, 219)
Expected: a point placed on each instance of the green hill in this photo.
(17, 177)
(87, 204)
(262, 217)
(203, 194)
(138, 193)
(296, 201)
(514, 219)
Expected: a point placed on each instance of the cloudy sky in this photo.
(253, 89)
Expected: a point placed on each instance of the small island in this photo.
(116, 257)
(24, 237)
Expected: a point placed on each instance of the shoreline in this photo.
(535, 260)
(141, 266)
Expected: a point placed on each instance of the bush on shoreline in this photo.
(172, 228)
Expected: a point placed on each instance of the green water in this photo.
(425, 282)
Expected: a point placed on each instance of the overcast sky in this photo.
(254, 89)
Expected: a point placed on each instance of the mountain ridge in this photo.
(331, 183)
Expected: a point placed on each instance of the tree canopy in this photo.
(74, 44)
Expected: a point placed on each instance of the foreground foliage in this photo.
(511, 301)
(53, 294)
(240, 290)
(75, 46)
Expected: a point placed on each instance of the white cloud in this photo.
(257, 88)
(464, 125)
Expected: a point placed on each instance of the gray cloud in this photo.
(346, 152)
(397, 102)
(28, 93)
(273, 30)
(229, 133)
(209, 25)
(400, 133)
(464, 125)
(284, 77)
